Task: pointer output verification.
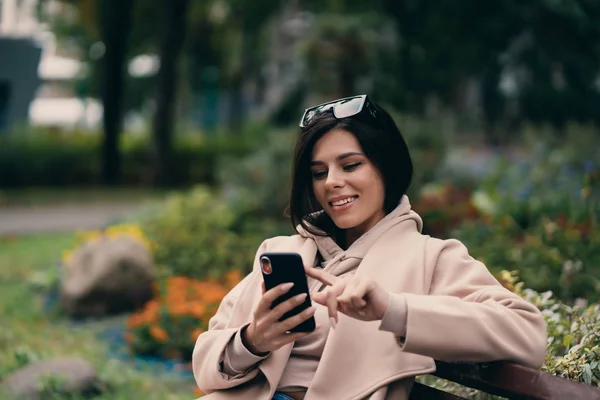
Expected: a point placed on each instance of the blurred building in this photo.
(20, 55)
(35, 79)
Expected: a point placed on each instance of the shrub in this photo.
(557, 255)
(444, 207)
(194, 236)
(539, 215)
(261, 181)
(573, 338)
(573, 350)
(169, 325)
(55, 158)
(548, 181)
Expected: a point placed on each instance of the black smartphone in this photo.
(278, 268)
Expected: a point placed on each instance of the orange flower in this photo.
(159, 334)
(198, 392)
(178, 308)
(195, 333)
(197, 310)
(233, 277)
(129, 337)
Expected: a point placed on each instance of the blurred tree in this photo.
(531, 61)
(546, 50)
(172, 39)
(98, 30)
(560, 55)
(115, 24)
(238, 37)
(342, 53)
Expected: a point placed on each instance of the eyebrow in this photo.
(339, 158)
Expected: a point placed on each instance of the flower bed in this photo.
(169, 324)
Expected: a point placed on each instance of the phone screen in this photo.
(278, 268)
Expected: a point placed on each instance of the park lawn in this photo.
(30, 333)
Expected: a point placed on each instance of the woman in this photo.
(387, 299)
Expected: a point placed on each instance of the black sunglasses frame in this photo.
(365, 105)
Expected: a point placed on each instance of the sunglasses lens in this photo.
(348, 108)
(341, 109)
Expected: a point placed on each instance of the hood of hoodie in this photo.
(338, 261)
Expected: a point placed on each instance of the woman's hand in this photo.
(265, 333)
(356, 296)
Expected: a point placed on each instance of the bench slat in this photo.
(515, 381)
(424, 392)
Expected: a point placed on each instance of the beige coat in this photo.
(456, 311)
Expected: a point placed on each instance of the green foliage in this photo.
(549, 256)
(194, 237)
(548, 178)
(36, 158)
(573, 337)
(261, 181)
(47, 158)
(573, 341)
(339, 52)
(541, 216)
(428, 141)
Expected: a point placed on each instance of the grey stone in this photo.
(76, 377)
(107, 276)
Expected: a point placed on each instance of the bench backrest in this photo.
(508, 380)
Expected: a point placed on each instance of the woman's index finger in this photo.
(320, 275)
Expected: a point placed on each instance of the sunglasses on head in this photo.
(341, 108)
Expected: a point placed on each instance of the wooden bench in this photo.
(505, 379)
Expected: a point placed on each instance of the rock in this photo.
(107, 276)
(73, 376)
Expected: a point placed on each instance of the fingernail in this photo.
(332, 322)
(300, 298)
(287, 286)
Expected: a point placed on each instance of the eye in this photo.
(351, 167)
(319, 174)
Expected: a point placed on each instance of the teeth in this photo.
(342, 202)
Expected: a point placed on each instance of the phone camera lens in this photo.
(265, 264)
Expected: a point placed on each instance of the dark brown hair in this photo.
(382, 144)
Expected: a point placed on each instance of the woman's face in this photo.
(346, 184)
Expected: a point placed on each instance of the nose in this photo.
(335, 180)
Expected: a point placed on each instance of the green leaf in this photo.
(587, 374)
(567, 340)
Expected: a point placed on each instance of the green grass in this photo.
(28, 333)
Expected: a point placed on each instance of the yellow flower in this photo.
(67, 257)
(585, 192)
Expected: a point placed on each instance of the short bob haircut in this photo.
(382, 144)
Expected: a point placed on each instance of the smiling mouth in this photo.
(340, 203)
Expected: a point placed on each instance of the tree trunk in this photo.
(493, 104)
(115, 25)
(237, 103)
(172, 39)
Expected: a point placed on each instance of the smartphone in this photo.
(278, 268)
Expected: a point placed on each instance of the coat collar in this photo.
(332, 252)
